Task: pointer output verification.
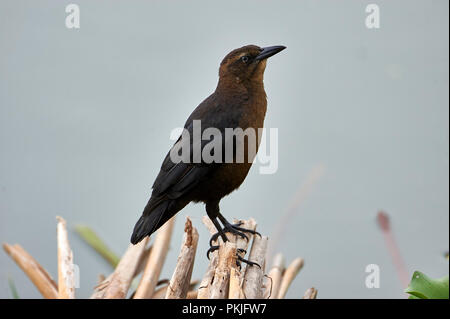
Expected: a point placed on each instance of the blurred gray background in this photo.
(85, 117)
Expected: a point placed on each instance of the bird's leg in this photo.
(214, 237)
(212, 209)
(220, 232)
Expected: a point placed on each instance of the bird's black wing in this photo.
(174, 180)
(177, 178)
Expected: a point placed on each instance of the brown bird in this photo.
(239, 101)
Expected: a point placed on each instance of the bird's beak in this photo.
(269, 51)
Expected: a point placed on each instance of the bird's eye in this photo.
(245, 59)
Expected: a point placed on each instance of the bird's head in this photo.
(247, 64)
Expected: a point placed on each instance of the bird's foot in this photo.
(235, 230)
(239, 252)
(239, 259)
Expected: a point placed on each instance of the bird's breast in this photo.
(229, 176)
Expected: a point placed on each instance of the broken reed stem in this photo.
(253, 278)
(104, 282)
(235, 290)
(117, 284)
(179, 284)
(289, 276)
(237, 275)
(203, 289)
(143, 260)
(66, 274)
(275, 275)
(155, 262)
(242, 243)
(37, 274)
(310, 293)
(227, 260)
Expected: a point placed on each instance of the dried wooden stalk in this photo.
(235, 291)
(236, 274)
(179, 284)
(242, 243)
(203, 289)
(104, 282)
(275, 275)
(143, 260)
(155, 262)
(66, 274)
(253, 279)
(118, 283)
(37, 274)
(227, 260)
(289, 276)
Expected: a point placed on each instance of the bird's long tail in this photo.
(153, 217)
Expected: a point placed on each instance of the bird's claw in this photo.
(235, 230)
(246, 261)
(239, 231)
(251, 231)
(242, 250)
(211, 249)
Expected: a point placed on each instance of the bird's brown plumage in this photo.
(239, 101)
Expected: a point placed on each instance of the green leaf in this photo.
(424, 287)
(90, 237)
(13, 289)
